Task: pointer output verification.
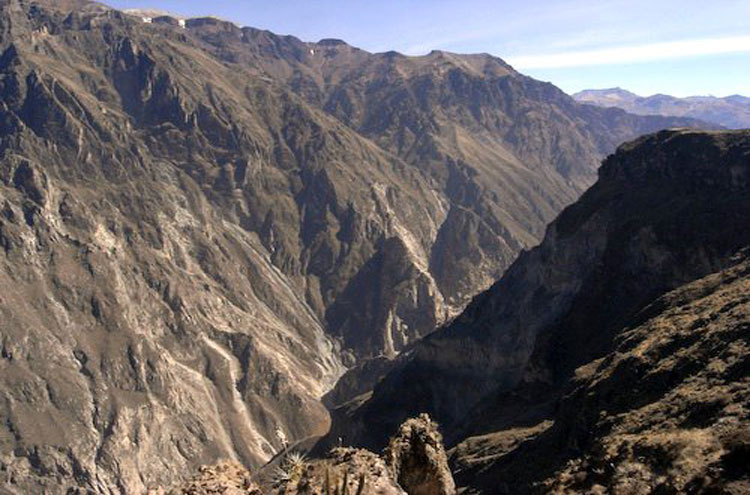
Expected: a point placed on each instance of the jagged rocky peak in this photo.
(417, 458)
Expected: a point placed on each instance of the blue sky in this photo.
(679, 47)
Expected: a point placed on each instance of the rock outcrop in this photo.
(415, 463)
(417, 458)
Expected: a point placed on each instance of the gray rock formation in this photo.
(417, 458)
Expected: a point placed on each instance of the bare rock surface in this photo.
(416, 456)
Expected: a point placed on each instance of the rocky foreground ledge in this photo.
(415, 462)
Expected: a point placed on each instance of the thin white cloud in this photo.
(634, 53)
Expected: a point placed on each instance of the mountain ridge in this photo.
(731, 111)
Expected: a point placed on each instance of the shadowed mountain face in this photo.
(664, 412)
(732, 112)
(202, 226)
(667, 209)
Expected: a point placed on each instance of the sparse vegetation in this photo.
(291, 469)
(333, 487)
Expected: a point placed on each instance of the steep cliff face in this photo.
(143, 329)
(187, 233)
(674, 396)
(667, 209)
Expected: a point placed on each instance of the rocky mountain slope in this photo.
(203, 226)
(665, 412)
(503, 153)
(667, 209)
(732, 112)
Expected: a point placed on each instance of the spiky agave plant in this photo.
(296, 460)
(290, 469)
(280, 476)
